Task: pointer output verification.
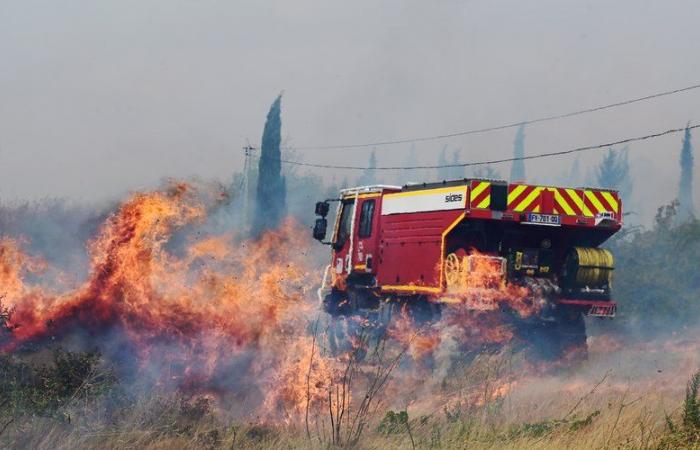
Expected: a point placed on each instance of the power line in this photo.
(504, 126)
(495, 161)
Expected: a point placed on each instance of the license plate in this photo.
(543, 219)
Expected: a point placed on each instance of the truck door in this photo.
(342, 239)
(365, 249)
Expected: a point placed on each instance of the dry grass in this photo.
(622, 423)
(617, 399)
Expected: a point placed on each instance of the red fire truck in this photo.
(417, 243)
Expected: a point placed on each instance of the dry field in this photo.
(623, 396)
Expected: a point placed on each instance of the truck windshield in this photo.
(345, 224)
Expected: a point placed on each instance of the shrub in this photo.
(691, 407)
(43, 389)
(656, 281)
(688, 433)
(5, 316)
(394, 423)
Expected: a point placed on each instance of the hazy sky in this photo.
(102, 97)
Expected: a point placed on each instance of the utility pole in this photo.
(248, 182)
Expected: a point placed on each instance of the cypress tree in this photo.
(271, 189)
(457, 171)
(443, 173)
(517, 170)
(685, 186)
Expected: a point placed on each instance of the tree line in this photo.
(277, 191)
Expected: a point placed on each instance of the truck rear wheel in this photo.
(572, 338)
(563, 339)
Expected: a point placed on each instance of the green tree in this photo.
(655, 280)
(457, 171)
(685, 186)
(613, 172)
(271, 189)
(517, 170)
(486, 171)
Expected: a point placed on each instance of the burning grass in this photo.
(205, 315)
(489, 403)
(180, 338)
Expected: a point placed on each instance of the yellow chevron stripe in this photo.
(536, 209)
(563, 204)
(579, 202)
(516, 192)
(591, 196)
(479, 188)
(611, 200)
(485, 203)
(529, 199)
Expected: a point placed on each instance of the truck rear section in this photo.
(439, 242)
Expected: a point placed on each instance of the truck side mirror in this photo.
(320, 229)
(322, 209)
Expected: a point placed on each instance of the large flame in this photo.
(199, 315)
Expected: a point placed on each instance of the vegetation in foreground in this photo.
(73, 400)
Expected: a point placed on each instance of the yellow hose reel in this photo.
(589, 267)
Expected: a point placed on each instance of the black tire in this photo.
(423, 311)
(572, 337)
(336, 304)
(562, 339)
(355, 322)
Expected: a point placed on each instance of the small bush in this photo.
(42, 389)
(5, 331)
(259, 432)
(688, 433)
(394, 423)
(691, 407)
(539, 429)
(578, 424)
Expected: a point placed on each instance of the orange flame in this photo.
(484, 287)
(209, 302)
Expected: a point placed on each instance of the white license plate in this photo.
(543, 219)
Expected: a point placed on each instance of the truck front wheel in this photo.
(336, 303)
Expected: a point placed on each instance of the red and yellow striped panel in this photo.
(570, 202)
(480, 194)
(523, 197)
(601, 201)
(565, 201)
